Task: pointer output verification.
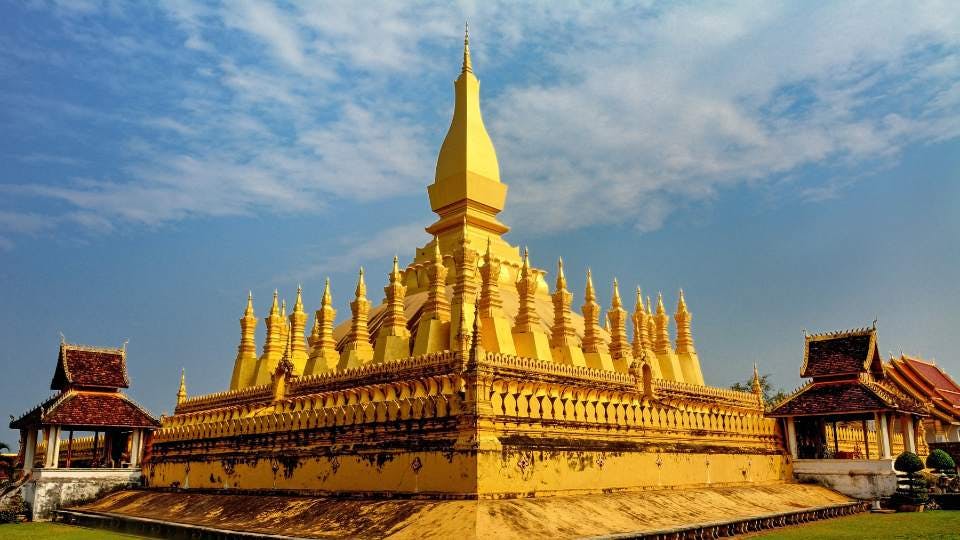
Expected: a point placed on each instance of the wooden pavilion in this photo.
(89, 398)
(848, 389)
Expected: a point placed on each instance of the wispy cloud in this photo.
(606, 113)
(356, 250)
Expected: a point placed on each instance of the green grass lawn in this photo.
(936, 525)
(56, 531)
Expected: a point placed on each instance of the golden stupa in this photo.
(474, 378)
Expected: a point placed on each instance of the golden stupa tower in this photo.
(471, 379)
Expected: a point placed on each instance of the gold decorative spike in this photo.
(284, 324)
(527, 318)
(298, 322)
(495, 332)
(245, 365)
(564, 343)
(639, 326)
(437, 306)
(433, 332)
(467, 67)
(670, 364)
(274, 344)
(619, 344)
(467, 180)
(182, 392)
(357, 350)
(393, 338)
(323, 353)
(465, 286)
(682, 317)
(642, 337)
(529, 337)
(663, 330)
(687, 354)
(490, 303)
(284, 371)
(651, 326)
(595, 349)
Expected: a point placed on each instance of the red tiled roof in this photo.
(841, 353)
(88, 409)
(936, 378)
(89, 366)
(831, 398)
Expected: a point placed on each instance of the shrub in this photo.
(908, 462)
(915, 491)
(940, 461)
(13, 509)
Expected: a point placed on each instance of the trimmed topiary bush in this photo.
(940, 461)
(908, 462)
(913, 492)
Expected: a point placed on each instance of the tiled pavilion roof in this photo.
(925, 381)
(83, 408)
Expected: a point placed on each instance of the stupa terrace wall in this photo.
(560, 429)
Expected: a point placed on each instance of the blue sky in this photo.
(790, 165)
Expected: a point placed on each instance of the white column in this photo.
(56, 452)
(909, 437)
(29, 450)
(48, 434)
(791, 437)
(135, 448)
(884, 436)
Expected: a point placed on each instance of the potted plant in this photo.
(946, 491)
(911, 496)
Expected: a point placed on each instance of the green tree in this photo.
(769, 394)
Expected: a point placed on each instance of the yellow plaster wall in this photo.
(485, 474)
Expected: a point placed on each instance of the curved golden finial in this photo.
(361, 286)
(298, 304)
(561, 278)
(639, 305)
(525, 266)
(275, 308)
(467, 67)
(182, 391)
(660, 308)
(756, 386)
(395, 273)
(249, 311)
(283, 308)
(615, 302)
(437, 256)
(588, 293)
(326, 300)
(681, 304)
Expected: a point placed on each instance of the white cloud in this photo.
(601, 114)
(356, 250)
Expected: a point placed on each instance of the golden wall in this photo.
(437, 425)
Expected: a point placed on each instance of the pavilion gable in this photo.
(849, 352)
(84, 366)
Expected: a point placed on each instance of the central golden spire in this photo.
(467, 183)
